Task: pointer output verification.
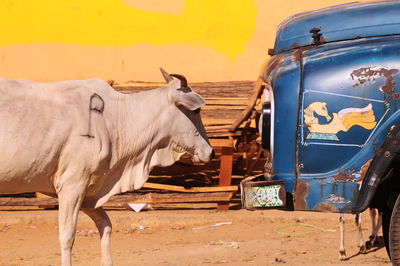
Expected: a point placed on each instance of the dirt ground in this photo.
(29, 236)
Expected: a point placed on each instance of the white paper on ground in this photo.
(137, 207)
(212, 225)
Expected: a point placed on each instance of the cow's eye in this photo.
(197, 110)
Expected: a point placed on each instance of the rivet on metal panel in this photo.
(316, 36)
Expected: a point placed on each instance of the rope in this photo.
(316, 229)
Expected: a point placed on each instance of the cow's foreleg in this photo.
(70, 198)
(361, 245)
(103, 224)
(376, 225)
(342, 250)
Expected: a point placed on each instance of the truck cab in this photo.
(331, 121)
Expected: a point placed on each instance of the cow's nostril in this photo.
(212, 154)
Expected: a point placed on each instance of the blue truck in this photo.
(332, 119)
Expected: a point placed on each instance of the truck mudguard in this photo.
(380, 166)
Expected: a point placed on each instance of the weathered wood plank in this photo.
(225, 174)
(257, 91)
(120, 200)
(217, 127)
(221, 135)
(231, 107)
(225, 101)
(6, 201)
(193, 189)
(208, 121)
(244, 99)
(222, 142)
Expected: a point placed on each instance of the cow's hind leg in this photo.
(342, 249)
(70, 197)
(361, 244)
(103, 224)
(376, 225)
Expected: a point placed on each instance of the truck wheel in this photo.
(394, 233)
(386, 214)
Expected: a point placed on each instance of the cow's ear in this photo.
(189, 100)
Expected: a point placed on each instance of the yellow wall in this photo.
(206, 40)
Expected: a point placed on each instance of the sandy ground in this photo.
(187, 237)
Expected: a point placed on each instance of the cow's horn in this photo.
(181, 78)
(166, 76)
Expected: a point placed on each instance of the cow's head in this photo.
(187, 131)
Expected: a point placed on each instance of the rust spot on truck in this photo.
(365, 74)
(322, 39)
(364, 169)
(380, 152)
(396, 96)
(395, 142)
(296, 55)
(326, 207)
(302, 190)
(341, 176)
(295, 45)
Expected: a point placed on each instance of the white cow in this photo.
(83, 142)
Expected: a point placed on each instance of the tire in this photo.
(386, 215)
(394, 233)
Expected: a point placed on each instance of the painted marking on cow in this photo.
(96, 105)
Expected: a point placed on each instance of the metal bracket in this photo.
(316, 36)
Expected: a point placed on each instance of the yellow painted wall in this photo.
(206, 40)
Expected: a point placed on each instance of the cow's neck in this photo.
(139, 131)
(137, 124)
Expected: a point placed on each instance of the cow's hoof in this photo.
(369, 244)
(362, 250)
(342, 255)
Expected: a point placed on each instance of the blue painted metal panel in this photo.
(340, 23)
(349, 102)
(286, 94)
